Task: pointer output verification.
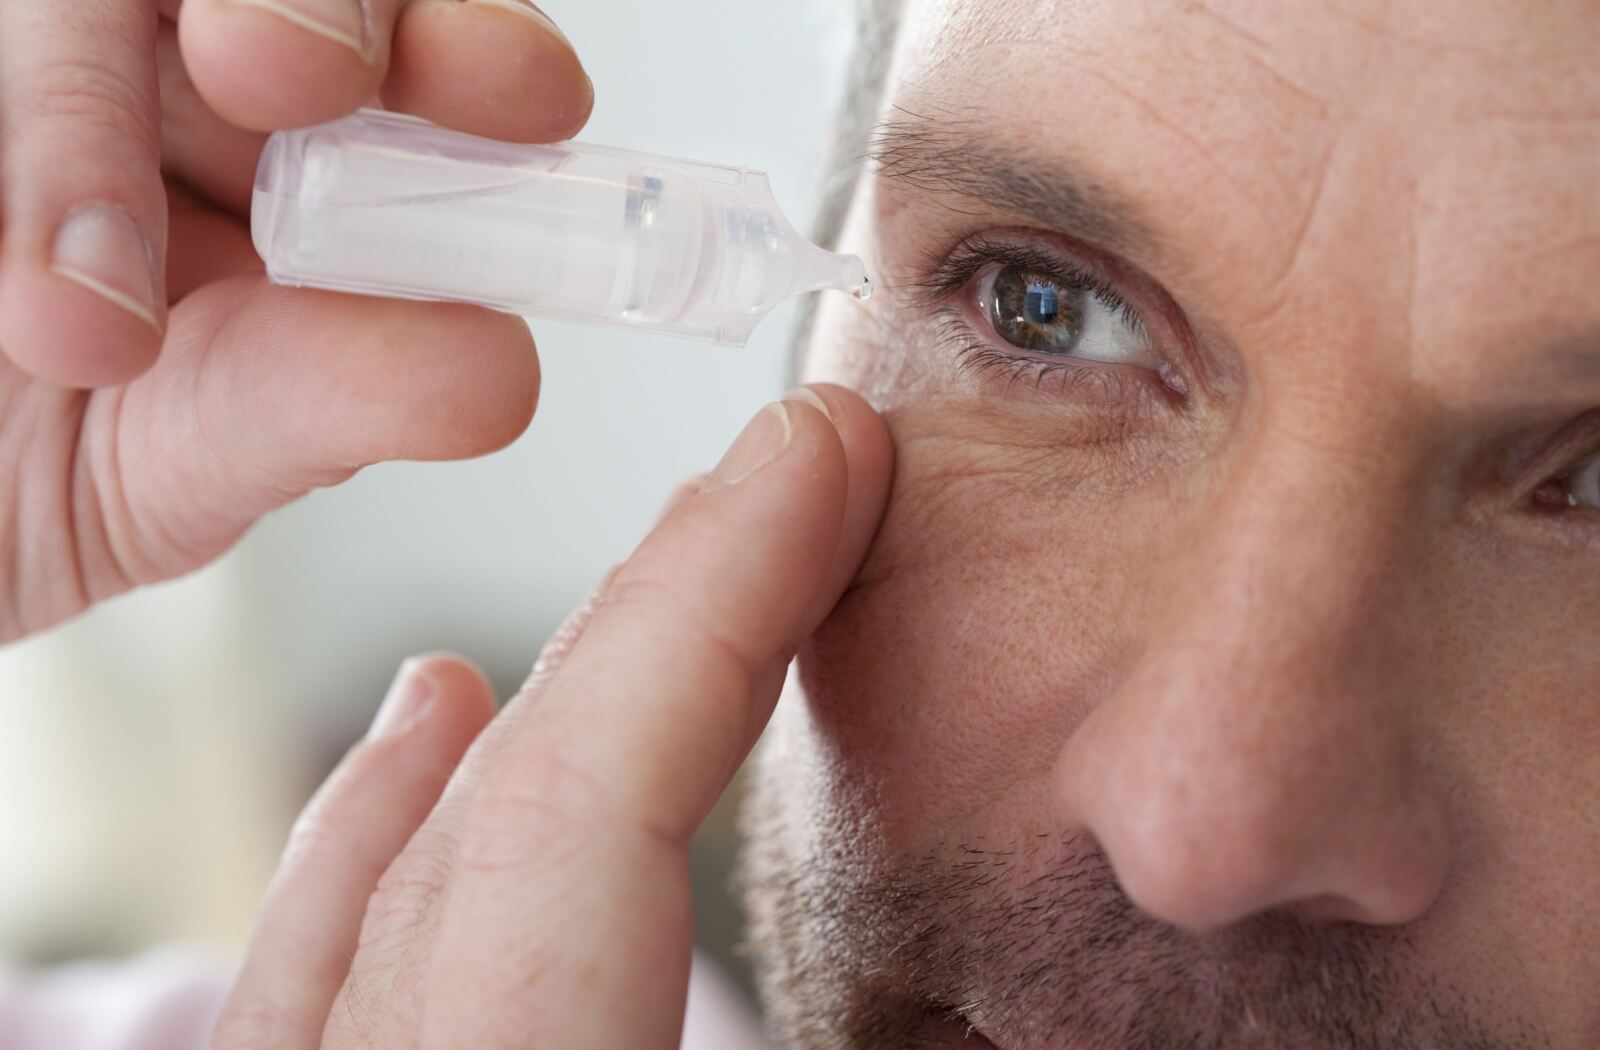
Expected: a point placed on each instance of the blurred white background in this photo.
(153, 753)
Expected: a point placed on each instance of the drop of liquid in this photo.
(863, 292)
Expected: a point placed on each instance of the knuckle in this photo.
(82, 92)
(365, 1014)
(546, 815)
(648, 597)
(653, 606)
(406, 897)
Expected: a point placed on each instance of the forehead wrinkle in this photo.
(969, 34)
(1384, 24)
(1269, 207)
(1256, 50)
(1442, 29)
(1105, 66)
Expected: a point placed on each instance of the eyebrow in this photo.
(950, 155)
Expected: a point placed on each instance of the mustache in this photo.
(1036, 943)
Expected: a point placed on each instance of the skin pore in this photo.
(1235, 689)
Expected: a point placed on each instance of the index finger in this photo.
(658, 699)
(571, 872)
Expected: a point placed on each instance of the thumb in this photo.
(264, 393)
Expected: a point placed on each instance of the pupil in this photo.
(1040, 304)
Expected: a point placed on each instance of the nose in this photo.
(1264, 753)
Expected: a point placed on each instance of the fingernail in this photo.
(347, 22)
(763, 440)
(527, 10)
(810, 397)
(100, 247)
(407, 701)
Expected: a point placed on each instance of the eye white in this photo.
(1109, 336)
(1583, 485)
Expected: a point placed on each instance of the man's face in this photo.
(1225, 671)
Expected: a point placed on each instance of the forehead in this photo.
(1414, 156)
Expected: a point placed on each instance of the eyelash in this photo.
(946, 278)
(1571, 452)
(958, 269)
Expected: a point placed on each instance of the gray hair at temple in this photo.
(876, 24)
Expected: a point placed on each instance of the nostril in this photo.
(1196, 882)
(1254, 795)
(1203, 861)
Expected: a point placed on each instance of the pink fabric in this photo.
(163, 1001)
(170, 1000)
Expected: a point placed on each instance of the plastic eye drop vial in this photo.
(385, 204)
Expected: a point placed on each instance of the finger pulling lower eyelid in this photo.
(812, 398)
(758, 444)
(761, 442)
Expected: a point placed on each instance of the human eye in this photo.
(1577, 488)
(1022, 310)
(1569, 466)
(1583, 484)
(1039, 309)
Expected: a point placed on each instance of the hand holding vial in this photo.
(159, 393)
(154, 383)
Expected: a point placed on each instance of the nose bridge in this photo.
(1260, 754)
(1296, 559)
(1278, 664)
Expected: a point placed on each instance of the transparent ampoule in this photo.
(385, 204)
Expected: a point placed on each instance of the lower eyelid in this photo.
(1014, 370)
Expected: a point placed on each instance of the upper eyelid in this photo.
(943, 276)
(1562, 453)
(936, 278)
(946, 276)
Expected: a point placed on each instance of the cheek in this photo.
(1000, 601)
(1515, 729)
(1002, 598)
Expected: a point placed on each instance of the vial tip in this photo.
(863, 291)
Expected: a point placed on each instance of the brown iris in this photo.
(1034, 311)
